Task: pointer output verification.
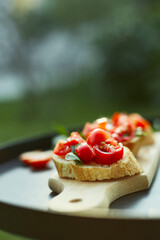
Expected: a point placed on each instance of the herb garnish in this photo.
(73, 147)
(73, 157)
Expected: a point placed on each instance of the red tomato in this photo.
(62, 148)
(99, 123)
(74, 139)
(119, 118)
(25, 157)
(97, 136)
(112, 142)
(138, 121)
(124, 133)
(115, 118)
(36, 159)
(88, 128)
(85, 153)
(123, 128)
(108, 155)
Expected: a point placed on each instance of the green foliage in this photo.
(74, 107)
(124, 36)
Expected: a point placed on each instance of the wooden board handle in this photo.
(76, 196)
(86, 196)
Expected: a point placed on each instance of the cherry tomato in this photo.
(25, 157)
(138, 121)
(124, 133)
(74, 139)
(119, 118)
(62, 148)
(88, 128)
(97, 136)
(123, 129)
(85, 153)
(36, 159)
(108, 154)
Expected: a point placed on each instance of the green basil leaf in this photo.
(73, 147)
(73, 157)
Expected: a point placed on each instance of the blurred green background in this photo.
(67, 62)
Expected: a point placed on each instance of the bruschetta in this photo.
(131, 129)
(98, 157)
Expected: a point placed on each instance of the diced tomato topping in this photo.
(62, 148)
(123, 129)
(106, 149)
(124, 133)
(108, 154)
(120, 119)
(88, 128)
(85, 153)
(97, 136)
(74, 139)
(138, 121)
(104, 138)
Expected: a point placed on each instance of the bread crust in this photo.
(128, 166)
(137, 142)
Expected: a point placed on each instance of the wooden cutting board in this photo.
(88, 198)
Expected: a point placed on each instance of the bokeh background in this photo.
(68, 62)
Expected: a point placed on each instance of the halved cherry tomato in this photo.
(36, 159)
(88, 128)
(74, 139)
(85, 153)
(97, 136)
(109, 153)
(124, 132)
(138, 121)
(123, 129)
(119, 118)
(62, 148)
(25, 157)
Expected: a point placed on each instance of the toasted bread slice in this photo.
(127, 166)
(137, 142)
